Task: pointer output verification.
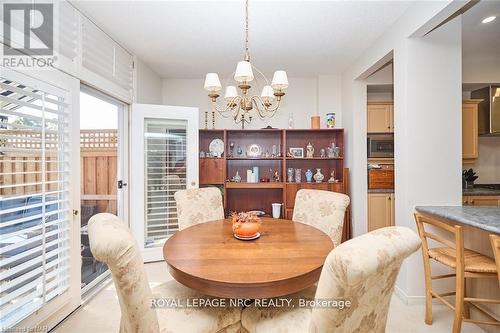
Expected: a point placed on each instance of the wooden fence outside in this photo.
(98, 163)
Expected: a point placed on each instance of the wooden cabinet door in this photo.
(211, 171)
(487, 200)
(380, 210)
(469, 131)
(379, 118)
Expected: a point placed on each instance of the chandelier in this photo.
(239, 105)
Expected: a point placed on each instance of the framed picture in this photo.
(297, 152)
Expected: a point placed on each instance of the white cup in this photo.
(276, 210)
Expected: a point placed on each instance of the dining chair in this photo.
(112, 243)
(464, 263)
(362, 270)
(198, 205)
(495, 245)
(324, 210)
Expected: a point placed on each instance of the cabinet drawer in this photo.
(381, 178)
(211, 171)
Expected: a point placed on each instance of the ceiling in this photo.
(186, 39)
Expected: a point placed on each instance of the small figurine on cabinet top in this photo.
(309, 150)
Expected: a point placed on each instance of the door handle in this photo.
(121, 184)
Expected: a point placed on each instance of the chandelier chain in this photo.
(247, 52)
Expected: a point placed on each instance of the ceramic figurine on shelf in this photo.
(329, 152)
(322, 153)
(237, 177)
(231, 149)
(202, 154)
(309, 150)
(239, 151)
(289, 175)
(332, 177)
(336, 152)
(276, 176)
(309, 176)
(318, 177)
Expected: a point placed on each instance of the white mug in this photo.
(276, 210)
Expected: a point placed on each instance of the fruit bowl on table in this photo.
(246, 225)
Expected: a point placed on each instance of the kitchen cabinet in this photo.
(380, 210)
(481, 200)
(380, 117)
(470, 130)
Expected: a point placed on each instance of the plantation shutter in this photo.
(34, 199)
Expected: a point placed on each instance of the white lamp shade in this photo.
(267, 93)
(280, 80)
(230, 93)
(243, 72)
(212, 82)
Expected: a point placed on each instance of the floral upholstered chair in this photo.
(322, 209)
(198, 205)
(112, 243)
(363, 271)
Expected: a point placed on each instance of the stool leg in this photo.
(459, 303)
(466, 304)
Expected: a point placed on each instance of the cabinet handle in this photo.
(389, 198)
(471, 202)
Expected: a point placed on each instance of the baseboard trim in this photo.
(408, 300)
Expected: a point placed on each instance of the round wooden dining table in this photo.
(287, 258)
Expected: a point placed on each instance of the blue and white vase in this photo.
(309, 176)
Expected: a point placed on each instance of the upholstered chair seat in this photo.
(112, 243)
(362, 270)
(322, 209)
(198, 205)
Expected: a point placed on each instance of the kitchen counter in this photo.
(485, 218)
(380, 190)
(481, 191)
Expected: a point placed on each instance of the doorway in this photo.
(103, 142)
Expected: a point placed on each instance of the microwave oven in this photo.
(380, 145)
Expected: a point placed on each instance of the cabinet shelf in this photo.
(254, 185)
(314, 158)
(254, 159)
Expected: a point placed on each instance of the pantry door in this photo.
(164, 160)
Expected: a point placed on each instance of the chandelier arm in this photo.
(228, 107)
(270, 110)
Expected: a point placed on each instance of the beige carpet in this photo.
(102, 313)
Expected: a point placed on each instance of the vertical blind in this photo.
(34, 199)
(165, 158)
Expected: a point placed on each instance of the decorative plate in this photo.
(254, 150)
(257, 235)
(216, 147)
(257, 212)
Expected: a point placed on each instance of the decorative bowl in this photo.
(245, 224)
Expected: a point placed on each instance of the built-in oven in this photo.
(380, 145)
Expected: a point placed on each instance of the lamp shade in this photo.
(280, 80)
(243, 72)
(212, 82)
(230, 93)
(267, 93)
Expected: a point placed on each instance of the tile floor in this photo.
(102, 313)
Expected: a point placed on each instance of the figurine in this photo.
(318, 177)
(237, 177)
(322, 153)
(239, 151)
(276, 176)
(202, 154)
(231, 148)
(309, 176)
(310, 150)
(332, 177)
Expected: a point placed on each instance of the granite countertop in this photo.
(380, 190)
(486, 218)
(480, 191)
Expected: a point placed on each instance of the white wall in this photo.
(148, 85)
(304, 97)
(429, 162)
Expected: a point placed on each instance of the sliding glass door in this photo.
(39, 262)
(165, 160)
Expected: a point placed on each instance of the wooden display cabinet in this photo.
(244, 196)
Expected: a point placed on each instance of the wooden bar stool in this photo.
(466, 264)
(495, 244)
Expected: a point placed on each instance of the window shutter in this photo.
(34, 199)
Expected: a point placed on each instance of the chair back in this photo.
(198, 205)
(324, 210)
(362, 270)
(451, 237)
(112, 243)
(495, 245)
